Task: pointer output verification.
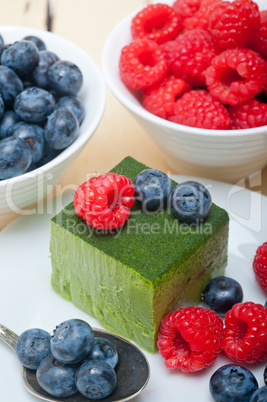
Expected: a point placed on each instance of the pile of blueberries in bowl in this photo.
(40, 111)
(39, 139)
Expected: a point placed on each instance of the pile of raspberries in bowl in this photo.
(200, 63)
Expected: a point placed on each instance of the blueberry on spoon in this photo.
(71, 341)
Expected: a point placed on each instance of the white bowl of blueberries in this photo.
(52, 98)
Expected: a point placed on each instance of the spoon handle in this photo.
(8, 336)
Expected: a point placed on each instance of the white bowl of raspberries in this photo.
(194, 74)
(52, 98)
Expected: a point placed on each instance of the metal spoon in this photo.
(132, 371)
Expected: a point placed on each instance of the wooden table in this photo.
(88, 23)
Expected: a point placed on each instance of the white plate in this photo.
(27, 299)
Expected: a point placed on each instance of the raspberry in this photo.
(190, 55)
(160, 99)
(201, 18)
(190, 338)
(260, 266)
(232, 24)
(142, 64)
(265, 88)
(186, 8)
(199, 109)
(259, 38)
(104, 201)
(236, 75)
(245, 333)
(248, 115)
(158, 22)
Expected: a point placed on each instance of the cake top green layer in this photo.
(150, 244)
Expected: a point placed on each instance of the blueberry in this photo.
(39, 43)
(55, 94)
(71, 341)
(56, 378)
(152, 189)
(265, 305)
(232, 383)
(33, 135)
(48, 155)
(190, 202)
(1, 44)
(10, 85)
(65, 77)
(74, 104)
(265, 375)
(15, 157)
(103, 350)
(61, 129)
(32, 347)
(260, 395)
(21, 56)
(96, 379)
(2, 107)
(34, 104)
(39, 73)
(5, 46)
(8, 120)
(221, 293)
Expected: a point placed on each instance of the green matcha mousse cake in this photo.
(131, 279)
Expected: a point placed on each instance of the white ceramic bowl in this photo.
(227, 155)
(20, 192)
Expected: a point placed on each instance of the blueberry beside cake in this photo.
(132, 277)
